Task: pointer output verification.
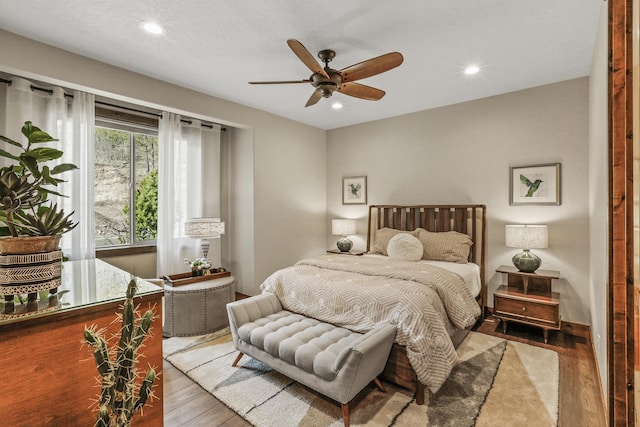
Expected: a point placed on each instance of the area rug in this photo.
(496, 383)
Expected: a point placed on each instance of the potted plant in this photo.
(198, 266)
(124, 388)
(25, 186)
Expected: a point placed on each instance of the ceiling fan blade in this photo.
(285, 82)
(315, 97)
(306, 57)
(358, 90)
(371, 67)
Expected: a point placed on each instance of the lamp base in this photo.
(344, 244)
(526, 261)
(204, 246)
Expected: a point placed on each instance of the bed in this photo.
(432, 302)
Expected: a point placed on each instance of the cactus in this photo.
(119, 377)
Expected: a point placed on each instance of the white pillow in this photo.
(383, 235)
(405, 246)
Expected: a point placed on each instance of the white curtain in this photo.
(72, 122)
(79, 146)
(188, 155)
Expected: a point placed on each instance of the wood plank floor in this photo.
(188, 404)
(580, 401)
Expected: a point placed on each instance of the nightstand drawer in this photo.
(530, 310)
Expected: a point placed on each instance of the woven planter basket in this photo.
(29, 244)
(28, 273)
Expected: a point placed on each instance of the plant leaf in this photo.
(4, 153)
(40, 136)
(34, 134)
(43, 154)
(63, 168)
(46, 176)
(32, 164)
(11, 141)
(49, 191)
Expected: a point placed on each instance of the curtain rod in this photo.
(50, 92)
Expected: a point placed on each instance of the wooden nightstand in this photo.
(527, 298)
(339, 252)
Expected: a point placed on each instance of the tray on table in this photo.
(187, 278)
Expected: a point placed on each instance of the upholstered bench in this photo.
(333, 361)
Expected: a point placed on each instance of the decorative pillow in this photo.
(383, 235)
(445, 246)
(405, 246)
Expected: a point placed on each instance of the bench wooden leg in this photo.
(235, 362)
(345, 414)
(419, 393)
(379, 384)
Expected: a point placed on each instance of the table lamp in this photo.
(205, 229)
(343, 227)
(526, 237)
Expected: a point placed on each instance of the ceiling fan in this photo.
(327, 80)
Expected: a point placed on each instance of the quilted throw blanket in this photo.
(359, 292)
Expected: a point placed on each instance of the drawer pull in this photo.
(524, 309)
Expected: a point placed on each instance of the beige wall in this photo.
(277, 195)
(599, 198)
(462, 154)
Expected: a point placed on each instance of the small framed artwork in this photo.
(354, 190)
(535, 185)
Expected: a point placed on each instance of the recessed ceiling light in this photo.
(336, 106)
(152, 27)
(472, 69)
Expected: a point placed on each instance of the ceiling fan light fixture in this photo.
(152, 27)
(326, 89)
(472, 69)
(326, 80)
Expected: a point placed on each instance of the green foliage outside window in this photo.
(146, 207)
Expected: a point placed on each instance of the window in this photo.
(126, 191)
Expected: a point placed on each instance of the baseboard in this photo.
(577, 330)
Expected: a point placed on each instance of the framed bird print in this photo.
(535, 185)
(354, 190)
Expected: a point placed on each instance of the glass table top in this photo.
(83, 283)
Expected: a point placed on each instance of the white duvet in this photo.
(469, 272)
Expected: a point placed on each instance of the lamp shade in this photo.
(527, 236)
(201, 228)
(343, 227)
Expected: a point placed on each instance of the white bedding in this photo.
(469, 272)
(424, 301)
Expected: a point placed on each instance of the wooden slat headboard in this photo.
(467, 219)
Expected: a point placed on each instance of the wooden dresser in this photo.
(49, 375)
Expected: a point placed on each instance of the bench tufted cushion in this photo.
(315, 347)
(330, 360)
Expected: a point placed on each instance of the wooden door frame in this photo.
(621, 255)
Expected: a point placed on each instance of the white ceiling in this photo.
(216, 46)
